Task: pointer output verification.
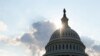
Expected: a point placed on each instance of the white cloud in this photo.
(9, 41)
(44, 31)
(92, 48)
(32, 45)
(34, 40)
(3, 26)
(6, 53)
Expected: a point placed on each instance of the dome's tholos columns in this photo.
(64, 19)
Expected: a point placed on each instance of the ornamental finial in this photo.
(64, 11)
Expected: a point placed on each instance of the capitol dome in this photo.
(65, 41)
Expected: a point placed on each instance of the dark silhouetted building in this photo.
(65, 41)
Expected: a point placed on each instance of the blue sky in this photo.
(17, 16)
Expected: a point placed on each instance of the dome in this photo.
(65, 41)
(66, 33)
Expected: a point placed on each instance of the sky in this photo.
(22, 23)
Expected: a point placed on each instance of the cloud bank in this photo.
(44, 29)
(36, 39)
(92, 48)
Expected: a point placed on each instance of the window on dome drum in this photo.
(74, 47)
(66, 46)
(70, 46)
(66, 34)
(69, 34)
(59, 46)
(47, 49)
(63, 46)
(63, 34)
(77, 47)
(73, 34)
(56, 47)
(50, 48)
(53, 48)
